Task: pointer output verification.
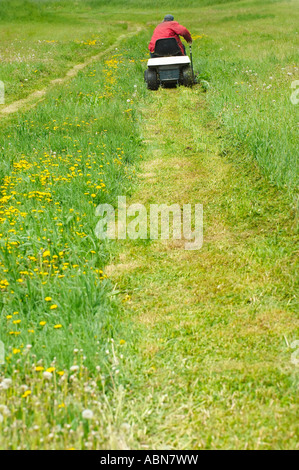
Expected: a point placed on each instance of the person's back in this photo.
(170, 29)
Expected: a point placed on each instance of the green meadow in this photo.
(142, 344)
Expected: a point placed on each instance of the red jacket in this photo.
(170, 29)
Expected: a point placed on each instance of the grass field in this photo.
(139, 345)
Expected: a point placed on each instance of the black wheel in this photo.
(187, 76)
(151, 78)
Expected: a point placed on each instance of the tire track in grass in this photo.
(208, 366)
(37, 96)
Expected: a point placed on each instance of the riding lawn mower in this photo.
(168, 66)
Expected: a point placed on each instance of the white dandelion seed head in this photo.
(87, 414)
(47, 375)
(4, 410)
(6, 383)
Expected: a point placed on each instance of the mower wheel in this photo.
(187, 77)
(151, 78)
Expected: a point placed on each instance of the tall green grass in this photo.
(43, 9)
(58, 162)
(60, 325)
(250, 59)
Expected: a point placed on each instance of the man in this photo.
(170, 29)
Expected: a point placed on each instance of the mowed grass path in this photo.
(212, 365)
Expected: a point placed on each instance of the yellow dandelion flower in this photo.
(48, 299)
(39, 368)
(53, 307)
(42, 323)
(58, 326)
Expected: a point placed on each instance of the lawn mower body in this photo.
(168, 66)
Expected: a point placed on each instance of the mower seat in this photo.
(167, 47)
